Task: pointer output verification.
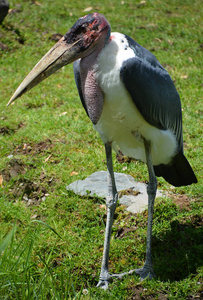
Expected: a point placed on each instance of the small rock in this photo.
(136, 200)
(4, 7)
(25, 197)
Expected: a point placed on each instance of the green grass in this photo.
(52, 240)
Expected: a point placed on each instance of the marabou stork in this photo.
(132, 103)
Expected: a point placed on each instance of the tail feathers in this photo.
(178, 172)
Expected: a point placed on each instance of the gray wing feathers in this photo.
(154, 94)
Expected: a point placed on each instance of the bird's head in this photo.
(87, 31)
(78, 42)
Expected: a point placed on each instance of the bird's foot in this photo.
(103, 284)
(104, 281)
(146, 272)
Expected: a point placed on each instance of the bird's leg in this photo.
(111, 202)
(147, 271)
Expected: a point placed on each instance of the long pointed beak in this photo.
(58, 56)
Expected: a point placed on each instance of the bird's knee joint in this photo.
(112, 202)
(151, 188)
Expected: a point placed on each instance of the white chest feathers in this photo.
(110, 62)
(121, 122)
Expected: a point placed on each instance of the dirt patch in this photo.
(31, 192)
(14, 168)
(182, 201)
(140, 293)
(121, 232)
(123, 159)
(6, 130)
(34, 149)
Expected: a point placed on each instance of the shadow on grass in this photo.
(178, 253)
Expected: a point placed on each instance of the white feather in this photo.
(121, 122)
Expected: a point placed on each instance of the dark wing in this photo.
(154, 94)
(76, 69)
(153, 91)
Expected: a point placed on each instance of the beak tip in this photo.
(10, 101)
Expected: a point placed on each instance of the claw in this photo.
(103, 284)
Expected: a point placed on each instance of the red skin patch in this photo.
(111, 37)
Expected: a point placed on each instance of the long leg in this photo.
(147, 270)
(111, 202)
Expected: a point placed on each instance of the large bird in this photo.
(133, 104)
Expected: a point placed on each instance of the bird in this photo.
(133, 104)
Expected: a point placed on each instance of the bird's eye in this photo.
(83, 29)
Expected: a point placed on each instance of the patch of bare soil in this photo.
(140, 293)
(123, 159)
(34, 149)
(121, 232)
(14, 168)
(182, 201)
(5, 130)
(30, 192)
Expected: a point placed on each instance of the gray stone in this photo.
(4, 7)
(132, 194)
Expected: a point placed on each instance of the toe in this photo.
(103, 284)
